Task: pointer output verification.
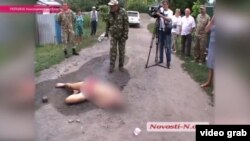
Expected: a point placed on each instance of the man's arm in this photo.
(165, 18)
(107, 27)
(125, 25)
(97, 15)
(193, 25)
(208, 27)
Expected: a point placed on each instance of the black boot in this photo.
(74, 52)
(65, 53)
(168, 65)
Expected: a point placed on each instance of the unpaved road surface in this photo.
(153, 94)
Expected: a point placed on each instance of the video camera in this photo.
(153, 11)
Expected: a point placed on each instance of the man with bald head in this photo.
(187, 28)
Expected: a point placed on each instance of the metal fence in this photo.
(48, 30)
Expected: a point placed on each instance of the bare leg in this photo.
(73, 86)
(75, 98)
(210, 79)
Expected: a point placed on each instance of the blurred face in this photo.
(178, 13)
(65, 7)
(113, 8)
(165, 5)
(187, 12)
(202, 11)
(79, 13)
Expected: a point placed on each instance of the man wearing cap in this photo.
(118, 27)
(94, 20)
(201, 35)
(66, 19)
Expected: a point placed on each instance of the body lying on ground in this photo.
(103, 94)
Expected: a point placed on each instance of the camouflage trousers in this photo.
(68, 38)
(113, 52)
(200, 48)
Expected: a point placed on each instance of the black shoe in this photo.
(74, 52)
(160, 62)
(111, 70)
(121, 69)
(65, 53)
(168, 65)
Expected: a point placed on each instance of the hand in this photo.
(124, 38)
(106, 35)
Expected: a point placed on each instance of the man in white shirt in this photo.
(176, 30)
(187, 28)
(165, 28)
(94, 20)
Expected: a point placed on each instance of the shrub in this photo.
(104, 12)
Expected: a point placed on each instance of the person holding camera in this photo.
(165, 28)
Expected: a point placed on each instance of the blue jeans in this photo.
(165, 42)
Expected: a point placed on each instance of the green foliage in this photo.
(104, 12)
(87, 21)
(85, 5)
(137, 6)
(196, 8)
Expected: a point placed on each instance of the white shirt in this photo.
(168, 13)
(94, 16)
(187, 24)
(176, 21)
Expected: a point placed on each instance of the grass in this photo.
(49, 55)
(198, 72)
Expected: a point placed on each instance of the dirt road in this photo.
(153, 94)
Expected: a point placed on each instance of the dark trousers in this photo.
(93, 27)
(186, 45)
(165, 44)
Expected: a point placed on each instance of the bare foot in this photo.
(205, 85)
(60, 85)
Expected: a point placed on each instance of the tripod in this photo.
(155, 35)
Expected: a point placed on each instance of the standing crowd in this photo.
(72, 27)
(172, 27)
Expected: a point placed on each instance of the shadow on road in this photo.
(97, 67)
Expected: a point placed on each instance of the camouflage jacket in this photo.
(201, 25)
(66, 19)
(117, 24)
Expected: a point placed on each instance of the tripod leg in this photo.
(157, 50)
(151, 45)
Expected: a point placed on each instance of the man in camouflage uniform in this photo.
(201, 36)
(118, 27)
(66, 19)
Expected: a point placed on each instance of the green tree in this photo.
(196, 8)
(104, 12)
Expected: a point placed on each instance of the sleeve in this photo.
(125, 25)
(171, 15)
(97, 13)
(193, 23)
(107, 25)
(179, 21)
(74, 16)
